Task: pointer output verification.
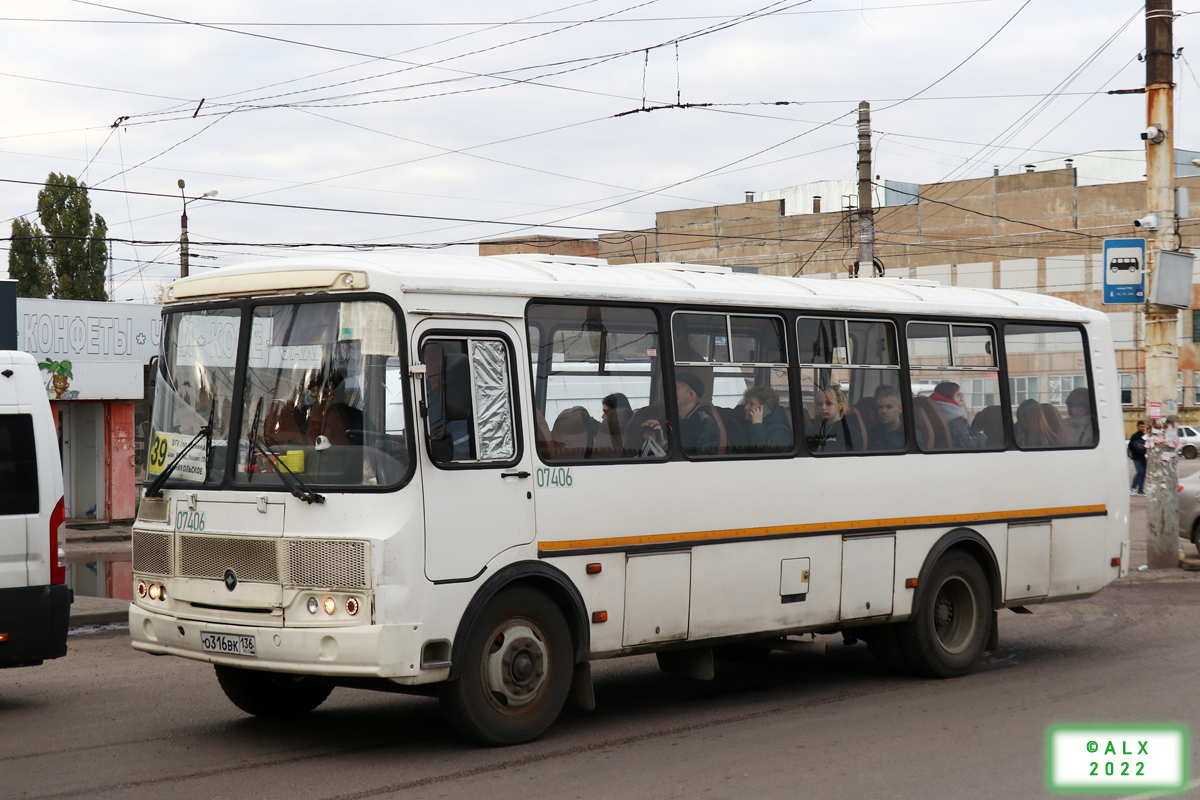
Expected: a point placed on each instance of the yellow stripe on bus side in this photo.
(817, 527)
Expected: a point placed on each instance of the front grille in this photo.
(152, 553)
(210, 556)
(154, 509)
(325, 563)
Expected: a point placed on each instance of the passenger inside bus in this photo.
(1032, 429)
(948, 400)
(698, 431)
(1077, 432)
(838, 429)
(887, 434)
(763, 426)
(990, 423)
(613, 423)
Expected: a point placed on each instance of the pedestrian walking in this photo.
(1137, 451)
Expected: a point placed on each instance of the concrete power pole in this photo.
(1162, 357)
(866, 214)
(183, 237)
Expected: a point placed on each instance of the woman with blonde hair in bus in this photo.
(834, 432)
(1031, 429)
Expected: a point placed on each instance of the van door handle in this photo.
(521, 474)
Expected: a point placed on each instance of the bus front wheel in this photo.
(268, 694)
(952, 622)
(515, 670)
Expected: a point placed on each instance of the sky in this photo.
(437, 126)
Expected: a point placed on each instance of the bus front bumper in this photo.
(364, 651)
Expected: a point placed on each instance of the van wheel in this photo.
(515, 671)
(269, 694)
(1189, 451)
(952, 622)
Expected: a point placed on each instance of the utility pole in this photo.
(183, 239)
(866, 214)
(1162, 358)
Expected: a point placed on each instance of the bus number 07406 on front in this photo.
(554, 477)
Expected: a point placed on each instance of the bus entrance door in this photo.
(475, 468)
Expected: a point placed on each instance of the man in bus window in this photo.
(698, 432)
(888, 433)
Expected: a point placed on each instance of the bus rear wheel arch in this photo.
(952, 618)
(515, 670)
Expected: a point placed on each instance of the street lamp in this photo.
(183, 235)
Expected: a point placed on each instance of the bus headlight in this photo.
(313, 605)
(154, 591)
(352, 606)
(330, 605)
(141, 588)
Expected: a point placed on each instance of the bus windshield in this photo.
(322, 397)
(195, 384)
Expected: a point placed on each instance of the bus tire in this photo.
(270, 694)
(952, 622)
(515, 672)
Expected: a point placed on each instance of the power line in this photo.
(475, 23)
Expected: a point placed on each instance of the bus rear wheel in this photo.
(952, 622)
(515, 671)
(269, 694)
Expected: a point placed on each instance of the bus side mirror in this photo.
(456, 386)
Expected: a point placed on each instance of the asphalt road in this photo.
(107, 722)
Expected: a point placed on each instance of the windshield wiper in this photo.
(155, 489)
(294, 484)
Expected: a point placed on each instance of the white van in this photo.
(35, 603)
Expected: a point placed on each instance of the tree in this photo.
(75, 240)
(27, 260)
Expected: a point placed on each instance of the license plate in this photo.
(227, 644)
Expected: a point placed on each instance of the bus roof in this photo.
(592, 279)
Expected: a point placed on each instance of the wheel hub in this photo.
(516, 665)
(954, 611)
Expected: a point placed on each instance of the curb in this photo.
(97, 611)
(97, 618)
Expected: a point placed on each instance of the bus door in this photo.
(475, 466)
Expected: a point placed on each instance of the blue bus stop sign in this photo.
(1124, 270)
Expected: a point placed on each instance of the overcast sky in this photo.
(508, 112)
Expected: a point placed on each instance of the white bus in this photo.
(471, 477)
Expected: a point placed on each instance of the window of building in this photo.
(732, 384)
(597, 382)
(956, 386)
(1055, 407)
(1126, 389)
(850, 385)
(18, 465)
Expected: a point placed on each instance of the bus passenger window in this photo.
(858, 407)
(955, 386)
(468, 398)
(732, 386)
(597, 382)
(1049, 387)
